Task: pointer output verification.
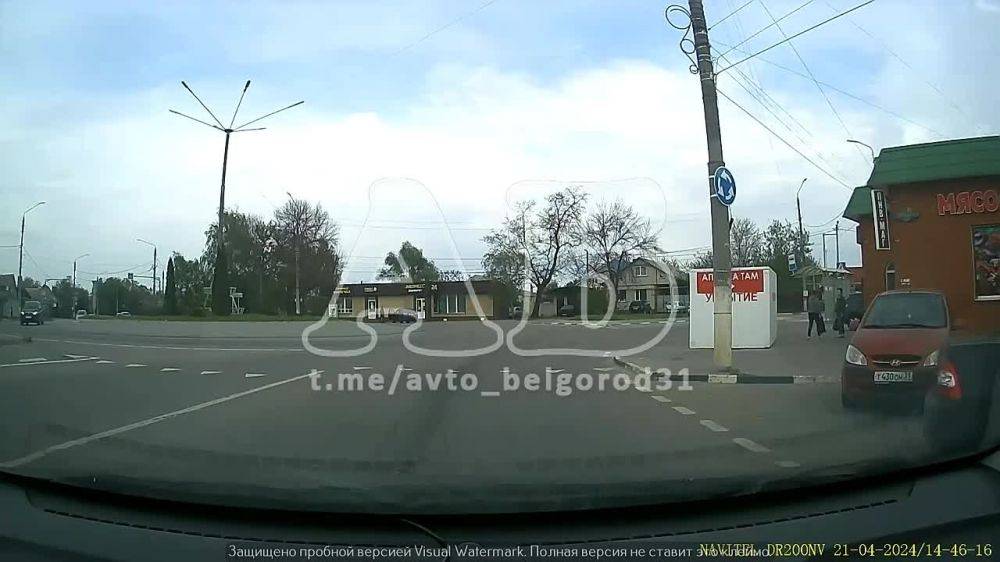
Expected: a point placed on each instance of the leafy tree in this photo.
(170, 293)
(409, 262)
(307, 240)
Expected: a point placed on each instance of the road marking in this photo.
(553, 371)
(683, 410)
(169, 370)
(33, 359)
(133, 365)
(751, 445)
(489, 393)
(659, 398)
(104, 362)
(173, 348)
(362, 368)
(726, 379)
(143, 423)
(787, 464)
(254, 375)
(47, 362)
(604, 369)
(713, 425)
(210, 372)
(71, 356)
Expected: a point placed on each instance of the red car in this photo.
(896, 351)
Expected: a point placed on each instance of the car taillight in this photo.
(948, 382)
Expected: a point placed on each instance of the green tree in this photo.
(170, 293)
(409, 262)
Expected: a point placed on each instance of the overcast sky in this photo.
(423, 112)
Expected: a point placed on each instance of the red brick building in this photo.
(942, 217)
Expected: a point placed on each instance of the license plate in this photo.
(893, 376)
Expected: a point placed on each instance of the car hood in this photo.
(899, 341)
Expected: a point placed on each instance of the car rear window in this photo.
(907, 310)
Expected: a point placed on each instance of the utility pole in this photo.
(20, 260)
(154, 261)
(801, 248)
(73, 312)
(824, 249)
(721, 259)
(837, 232)
(296, 242)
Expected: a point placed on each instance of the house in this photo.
(431, 300)
(8, 296)
(929, 218)
(41, 294)
(643, 280)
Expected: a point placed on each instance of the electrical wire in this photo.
(459, 19)
(765, 28)
(786, 143)
(803, 32)
(731, 14)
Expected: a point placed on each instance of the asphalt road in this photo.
(226, 410)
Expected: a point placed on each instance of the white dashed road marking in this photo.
(788, 464)
(210, 372)
(683, 410)
(162, 417)
(659, 398)
(32, 363)
(751, 445)
(489, 393)
(169, 370)
(254, 375)
(604, 369)
(104, 362)
(133, 365)
(71, 356)
(362, 368)
(33, 359)
(713, 425)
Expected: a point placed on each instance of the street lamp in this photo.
(154, 261)
(20, 259)
(802, 250)
(81, 256)
(870, 149)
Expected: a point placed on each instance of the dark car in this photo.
(567, 310)
(32, 313)
(637, 307)
(895, 354)
(855, 306)
(966, 396)
(402, 316)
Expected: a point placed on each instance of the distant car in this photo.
(567, 310)
(681, 307)
(855, 306)
(402, 316)
(637, 307)
(32, 313)
(898, 347)
(124, 313)
(516, 312)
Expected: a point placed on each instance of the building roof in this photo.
(932, 161)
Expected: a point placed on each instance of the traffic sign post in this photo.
(725, 186)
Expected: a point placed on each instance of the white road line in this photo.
(787, 464)
(33, 359)
(46, 362)
(683, 410)
(104, 362)
(489, 393)
(71, 356)
(254, 375)
(133, 365)
(751, 445)
(173, 348)
(210, 372)
(604, 369)
(713, 425)
(143, 423)
(169, 370)
(362, 368)
(659, 398)
(554, 371)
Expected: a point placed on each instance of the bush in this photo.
(199, 312)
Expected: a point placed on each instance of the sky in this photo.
(426, 114)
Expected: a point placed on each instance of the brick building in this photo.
(942, 226)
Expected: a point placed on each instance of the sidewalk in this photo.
(793, 358)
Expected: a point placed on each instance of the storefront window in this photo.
(986, 261)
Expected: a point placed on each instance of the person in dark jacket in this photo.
(814, 306)
(840, 310)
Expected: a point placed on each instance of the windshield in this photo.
(901, 310)
(495, 256)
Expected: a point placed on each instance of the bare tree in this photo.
(541, 236)
(303, 226)
(746, 243)
(615, 234)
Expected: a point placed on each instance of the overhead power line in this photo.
(459, 19)
(731, 14)
(803, 32)
(786, 143)
(765, 28)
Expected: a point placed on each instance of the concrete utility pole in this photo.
(836, 230)
(801, 248)
(721, 259)
(20, 259)
(81, 256)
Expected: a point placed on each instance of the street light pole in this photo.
(154, 261)
(802, 250)
(220, 298)
(870, 149)
(20, 260)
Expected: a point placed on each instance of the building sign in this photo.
(747, 284)
(968, 202)
(986, 261)
(880, 216)
(371, 289)
(415, 288)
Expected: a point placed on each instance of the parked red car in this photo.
(895, 353)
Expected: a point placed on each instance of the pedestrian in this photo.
(814, 306)
(840, 309)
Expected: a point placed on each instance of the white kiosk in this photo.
(755, 308)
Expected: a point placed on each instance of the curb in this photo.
(717, 378)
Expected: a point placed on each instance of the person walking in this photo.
(814, 306)
(840, 310)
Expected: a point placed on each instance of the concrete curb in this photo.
(716, 378)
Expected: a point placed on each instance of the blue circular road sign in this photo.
(725, 186)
